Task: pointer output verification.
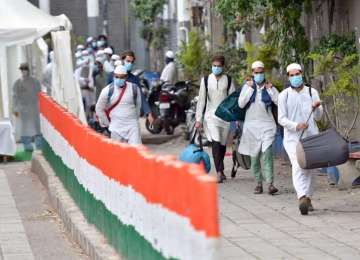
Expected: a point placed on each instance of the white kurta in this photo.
(215, 128)
(259, 127)
(26, 102)
(124, 124)
(294, 108)
(83, 75)
(168, 73)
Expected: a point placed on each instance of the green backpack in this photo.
(229, 109)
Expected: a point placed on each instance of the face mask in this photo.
(296, 81)
(89, 50)
(24, 73)
(259, 78)
(119, 82)
(129, 66)
(216, 70)
(93, 45)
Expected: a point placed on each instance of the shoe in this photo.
(223, 176)
(272, 189)
(258, 189)
(219, 178)
(304, 205)
(311, 208)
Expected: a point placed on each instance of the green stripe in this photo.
(125, 239)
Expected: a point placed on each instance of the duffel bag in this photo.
(325, 149)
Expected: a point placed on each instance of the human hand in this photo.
(316, 104)
(150, 118)
(268, 85)
(198, 125)
(250, 83)
(302, 126)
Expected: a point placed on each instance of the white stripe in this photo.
(166, 231)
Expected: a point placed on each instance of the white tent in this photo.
(21, 27)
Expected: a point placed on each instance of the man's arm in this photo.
(282, 113)
(319, 110)
(201, 102)
(245, 95)
(101, 107)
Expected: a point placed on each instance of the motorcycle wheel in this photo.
(154, 128)
(170, 130)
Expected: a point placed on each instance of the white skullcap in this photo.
(293, 66)
(115, 57)
(120, 70)
(89, 39)
(99, 59)
(108, 51)
(85, 53)
(80, 47)
(257, 64)
(118, 63)
(170, 54)
(100, 53)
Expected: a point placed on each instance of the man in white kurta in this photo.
(124, 117)
(216, 129)
(169, 72)
(295, 106)
(259, 127)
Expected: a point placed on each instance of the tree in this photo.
(282, 19)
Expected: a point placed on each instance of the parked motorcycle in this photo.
(168, 104)
(190, 130)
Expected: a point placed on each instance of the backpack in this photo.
(206, 79)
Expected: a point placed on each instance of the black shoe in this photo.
(219, 178)
(258, 189)
(272, 189)
(304, 205)
(223, 176)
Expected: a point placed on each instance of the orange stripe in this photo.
(182, 188)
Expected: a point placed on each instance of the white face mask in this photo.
(24, 73)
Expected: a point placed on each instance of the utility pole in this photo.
(93, 16)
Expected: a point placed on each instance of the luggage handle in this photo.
(307, 121)
(197, 132)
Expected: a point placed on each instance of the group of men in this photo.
(298, 108)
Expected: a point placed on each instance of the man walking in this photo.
(118, 108)
(259, 97)
(213, 90)
(296, 104)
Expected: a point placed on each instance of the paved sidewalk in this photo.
(271, 227)
(14, 243)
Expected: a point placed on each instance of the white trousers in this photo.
(302, 179)
(131, 137)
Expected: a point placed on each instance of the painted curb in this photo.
(87, 236)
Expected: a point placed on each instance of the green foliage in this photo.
(193, 56)
(342, 89)
(147, 12)
(339, 44)
(284, 29)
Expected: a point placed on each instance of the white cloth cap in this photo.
(100, 53)
(120, 70)
(118, 63)
(99, 59)
(85, 53)
(80, 47)
(115, 57)
(257, 64)
(170, 54)
(293, 66)
(108, 51)
(89, 39)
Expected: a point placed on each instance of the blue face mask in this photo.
(129, 66)
(259, 78)
(216, 70)
(296, 81)
(119, 82)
